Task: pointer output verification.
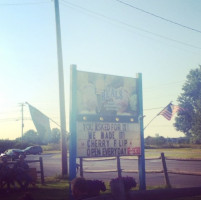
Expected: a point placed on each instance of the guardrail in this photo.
(162, 157)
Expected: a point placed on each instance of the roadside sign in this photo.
(107, 115)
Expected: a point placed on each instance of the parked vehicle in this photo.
(33, 150)
(12, 153)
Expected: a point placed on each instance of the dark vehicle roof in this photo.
(32, 147)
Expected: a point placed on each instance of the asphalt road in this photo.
(52, 167)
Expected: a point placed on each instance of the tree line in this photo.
(33, 137)
(162, 142)
(188, 120)
(30, 138)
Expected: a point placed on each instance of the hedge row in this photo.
(12, 144)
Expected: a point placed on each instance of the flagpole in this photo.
(55, 123)
(151, 121)
(156, 115)
(22, 111)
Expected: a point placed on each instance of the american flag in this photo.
(170, 110)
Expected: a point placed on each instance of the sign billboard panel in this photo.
(101, 139)
(107, 115)
(100, 94)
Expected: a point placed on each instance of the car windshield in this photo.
(27, 148)
(17, 150)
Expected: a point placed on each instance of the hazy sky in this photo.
(101, 36)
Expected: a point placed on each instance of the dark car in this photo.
(33, 150)
(12, 153)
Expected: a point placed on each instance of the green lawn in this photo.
(189, 198)
(170, 152)
(54, 189)
(174, 153)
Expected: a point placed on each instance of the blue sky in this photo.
(102, 36)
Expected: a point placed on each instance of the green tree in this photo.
(31, 136)
(55, 136)
(189, 120)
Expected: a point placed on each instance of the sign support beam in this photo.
(73, 133)
(141, 158)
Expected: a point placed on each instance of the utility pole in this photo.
(61, 92)
(22, 111)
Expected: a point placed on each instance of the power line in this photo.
(154, 108)
(111, 19)
(128, 25)
(164, 84)
(22, 4)
(164, 126)
(154, 15)
(13, 119)
(8, 119)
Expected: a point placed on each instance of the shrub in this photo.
(12, 144)
(94, 187)
(127, 182)
(82, 188)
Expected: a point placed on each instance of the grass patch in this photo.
(51, 147)
(51, 152)
(189, 198)
(174, 153)
(54, 189)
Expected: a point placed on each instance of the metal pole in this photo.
(61, 91)
(22, 119)
(73, 129)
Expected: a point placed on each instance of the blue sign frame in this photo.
(74, 117)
